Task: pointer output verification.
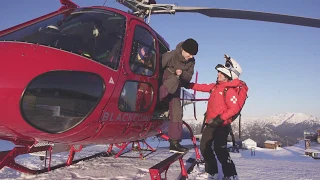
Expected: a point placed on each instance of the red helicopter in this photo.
(73, 80)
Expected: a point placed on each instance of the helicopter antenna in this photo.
(149, 16)
(144, 8)
(105, 2)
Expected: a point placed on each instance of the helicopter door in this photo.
(132, 103)
(139, 92)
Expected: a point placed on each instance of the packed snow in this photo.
(282, 163)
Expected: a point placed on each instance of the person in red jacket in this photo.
(221, 107)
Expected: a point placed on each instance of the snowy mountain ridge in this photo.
(289, 118)
(275, 120)
(285, 127)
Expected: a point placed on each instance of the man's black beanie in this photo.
(191, 46)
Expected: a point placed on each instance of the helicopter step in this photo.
(189, 165)
(163, 166)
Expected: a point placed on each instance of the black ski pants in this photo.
(217, 135)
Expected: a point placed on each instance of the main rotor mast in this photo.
(144, 8)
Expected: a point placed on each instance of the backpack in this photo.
(242, 92)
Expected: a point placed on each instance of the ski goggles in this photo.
(228, 65)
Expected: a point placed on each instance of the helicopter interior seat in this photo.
(44, 36)
(110, 54)
(71, 43)
(53, 37)
(77, 37)
(103, 45)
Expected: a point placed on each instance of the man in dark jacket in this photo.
(178, 69)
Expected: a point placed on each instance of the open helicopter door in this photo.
(129, 111)
(141, 68)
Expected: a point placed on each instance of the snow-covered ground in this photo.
(284, 163)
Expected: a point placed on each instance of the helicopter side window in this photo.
(92, 33)
(135, 97)
(143, 56)
(57, 101)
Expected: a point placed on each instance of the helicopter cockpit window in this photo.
(93, 33)
(143, 54)
(135, 97)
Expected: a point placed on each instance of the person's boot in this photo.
(176, 147)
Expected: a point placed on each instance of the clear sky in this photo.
(280, 62)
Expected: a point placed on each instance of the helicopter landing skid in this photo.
(7, 158)
(163, 166)
(192, 137)
(135, 147)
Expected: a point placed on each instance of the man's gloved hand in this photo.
(217, 121)
(178, 72)
(189, 85)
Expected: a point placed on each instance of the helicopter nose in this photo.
(40, 90)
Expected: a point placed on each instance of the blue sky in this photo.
(280, 62)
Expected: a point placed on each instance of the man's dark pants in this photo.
(218, 135)
(175, 112)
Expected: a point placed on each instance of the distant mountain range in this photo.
(286, 128)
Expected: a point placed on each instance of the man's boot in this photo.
(176, 147)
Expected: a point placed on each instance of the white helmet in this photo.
(231, 68)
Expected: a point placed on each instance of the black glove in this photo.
(217, 121)
(185, 85)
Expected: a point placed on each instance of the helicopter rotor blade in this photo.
(140, 6)
(252, 15)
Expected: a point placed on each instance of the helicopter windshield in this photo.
(96, 34)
